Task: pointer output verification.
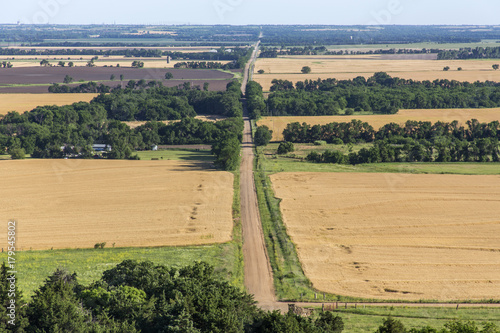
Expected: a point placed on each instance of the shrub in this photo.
(285, 147)
(263, 135)
(17, 153)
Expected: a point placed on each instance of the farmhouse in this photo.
(101, 147)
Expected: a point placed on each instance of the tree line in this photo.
(375, 34)
(383, 151)
(380, 93)
(89, 87)
(256, 104)
(416, 141)
(274, 51)
(205, 65)
(221, 54)
(357, 131)
(470, 53)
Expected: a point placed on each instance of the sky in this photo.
(242, 12)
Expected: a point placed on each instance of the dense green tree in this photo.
(67, 79)
(262, 136)
(391, 325)
(227, 152)
(285, 148)
(13, 316)
(306, 70)
(17, 153)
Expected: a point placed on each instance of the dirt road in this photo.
(258, 273)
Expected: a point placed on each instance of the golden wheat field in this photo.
(349, 67)
(278, 124)
(78, 203)
(27, 102)
(395, 236)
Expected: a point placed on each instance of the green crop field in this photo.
(33, 267)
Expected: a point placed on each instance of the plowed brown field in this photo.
(278, 124)
(77, 203)
(395, 236)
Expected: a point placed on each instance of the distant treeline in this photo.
(90, 87)
(56, 132)
(470, 53)
(380, 93)
(373, 34)
(221, 54)
(274, 52)
(205, 65)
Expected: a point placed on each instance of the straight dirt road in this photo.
(258, 272)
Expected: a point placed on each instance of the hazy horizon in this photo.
(255, 12)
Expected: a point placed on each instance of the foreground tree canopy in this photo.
(144, 297)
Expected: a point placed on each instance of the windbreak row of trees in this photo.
(274, 52)
(373, 34)
(470, 53)
(205, 65)
(413, 142)
(218, 54)
(256, 104)
(90, 87)
(357, 131)
(410, 150)
(380, 93)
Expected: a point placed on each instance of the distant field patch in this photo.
(278, 124)
(212, 118)
(349, 67)
(78, 203)
(395, 236)
(27, 102)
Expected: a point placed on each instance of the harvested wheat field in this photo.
(395, 236)
(349, 67)
(27, 102)
(278, 124)
(78, 203)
